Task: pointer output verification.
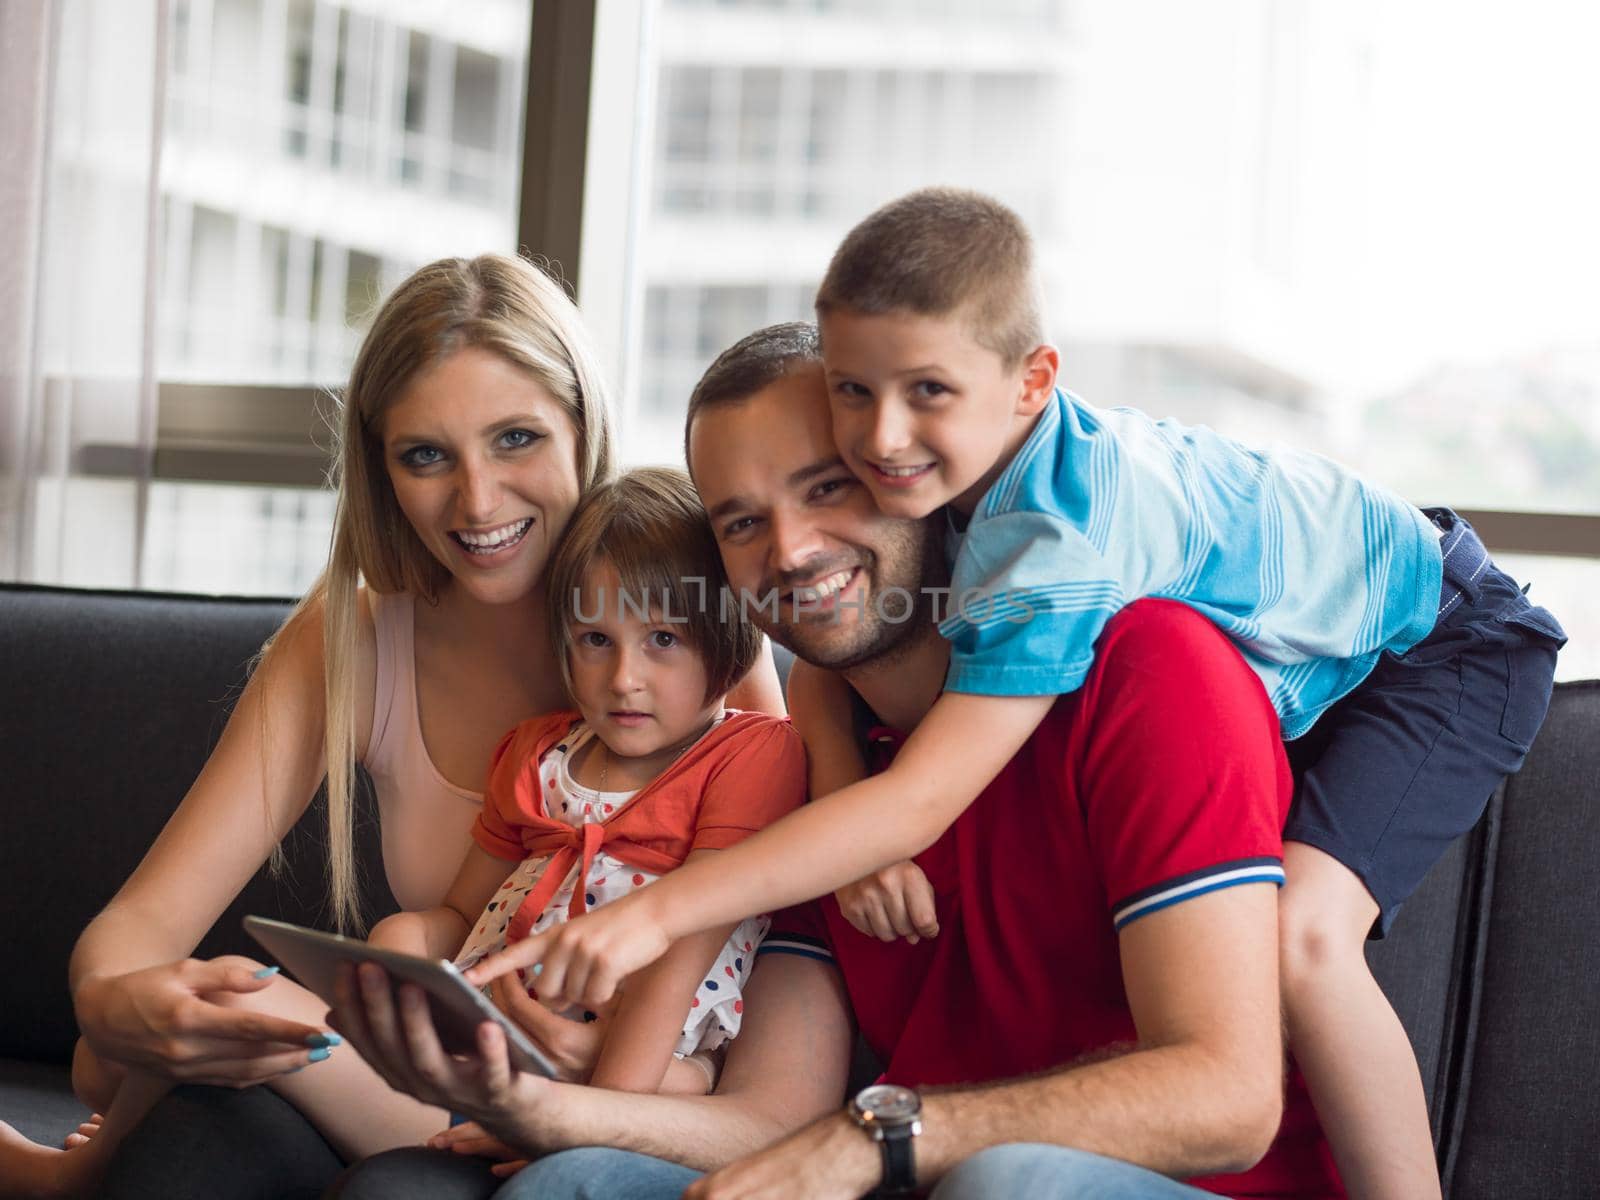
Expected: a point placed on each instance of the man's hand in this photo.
(892, 903)
(400, 1044)
(583, 961)
(829, 1159)
(573, 1047)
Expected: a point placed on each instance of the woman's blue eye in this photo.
(518, 439)
(421, 456)
(929, 387)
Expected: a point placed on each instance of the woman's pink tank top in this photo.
(426, 820)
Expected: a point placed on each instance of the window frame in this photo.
(278, 436)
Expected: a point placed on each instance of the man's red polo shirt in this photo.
(1159, 780)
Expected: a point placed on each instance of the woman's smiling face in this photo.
(483, 462)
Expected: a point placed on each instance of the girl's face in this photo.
(483, 462)
(639, 685)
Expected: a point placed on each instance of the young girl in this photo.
(649, 772)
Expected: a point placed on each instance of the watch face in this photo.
(889, 1103)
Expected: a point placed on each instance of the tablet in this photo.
(458, 1008)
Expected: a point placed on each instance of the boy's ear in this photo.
(1038, 379)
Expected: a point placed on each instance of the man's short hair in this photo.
(750, 364)
(940, 252)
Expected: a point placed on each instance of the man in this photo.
(1099, 1005)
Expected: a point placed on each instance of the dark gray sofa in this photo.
(112, 701)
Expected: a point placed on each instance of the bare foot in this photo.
(84, 1132)
(29, 1171)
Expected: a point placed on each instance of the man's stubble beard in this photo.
(914, 564)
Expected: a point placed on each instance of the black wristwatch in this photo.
(891, 1116)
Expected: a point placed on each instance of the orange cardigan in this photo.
(740, 777)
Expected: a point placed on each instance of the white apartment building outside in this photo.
(316, 152)
(1201, 181)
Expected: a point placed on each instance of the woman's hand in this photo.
(175, 1021)
(583, 961)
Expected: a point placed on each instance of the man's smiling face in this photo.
(801, 538)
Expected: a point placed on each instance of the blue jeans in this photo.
(1018, 1170)
(1023, 1169)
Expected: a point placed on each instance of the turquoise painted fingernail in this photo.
(324, 1039)
(537, 969)
(320, 1053)
(264, 973)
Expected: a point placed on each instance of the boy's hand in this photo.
(583, 961)
(895, 902)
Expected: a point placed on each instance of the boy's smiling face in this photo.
(924, 414)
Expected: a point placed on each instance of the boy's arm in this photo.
(1200, 1093)
(439, 932)
(637, 1054)
(898, 900)
(957, 750)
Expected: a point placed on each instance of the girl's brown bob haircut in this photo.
(650, 526)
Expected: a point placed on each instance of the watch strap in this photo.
(899, 1168)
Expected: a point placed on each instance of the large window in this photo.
(1365, 228)
(314, 154)
(1296, 222)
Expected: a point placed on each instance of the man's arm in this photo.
(1200, 1093)
(788, 1065)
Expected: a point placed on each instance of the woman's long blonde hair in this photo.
(492, 302)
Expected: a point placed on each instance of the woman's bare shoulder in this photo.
(297, 657)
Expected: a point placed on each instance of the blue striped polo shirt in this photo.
(1312, 571)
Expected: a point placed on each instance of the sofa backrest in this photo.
(1494, 967)
(109, 705)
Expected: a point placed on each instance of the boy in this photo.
(1423, 667)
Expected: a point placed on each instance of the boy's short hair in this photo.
(750, 364)
(938, 252)
(650, 526)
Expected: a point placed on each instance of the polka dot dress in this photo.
(717, 1009)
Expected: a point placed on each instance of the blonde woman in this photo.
(474, 420)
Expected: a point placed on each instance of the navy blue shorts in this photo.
(1394, 772)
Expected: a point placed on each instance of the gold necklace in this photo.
(605, 763)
